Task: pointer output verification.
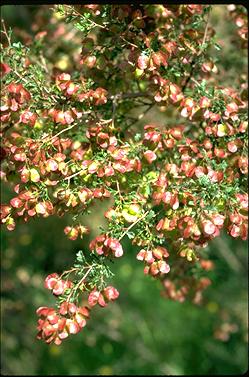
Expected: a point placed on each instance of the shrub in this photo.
(73, 134)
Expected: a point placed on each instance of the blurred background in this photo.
(141, 333)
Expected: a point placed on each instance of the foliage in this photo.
(71, 138)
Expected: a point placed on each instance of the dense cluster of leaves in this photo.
(70, 139)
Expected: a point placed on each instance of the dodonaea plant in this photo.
(74, 136)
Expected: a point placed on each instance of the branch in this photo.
(140, 116)
(116, 97)
(130, 95)
(193, 63)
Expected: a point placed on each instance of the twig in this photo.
(195, 81)
(119, 192)
(65, 129)
(68, 272)
(44, 64)
(80, 282)
(130, 43)
(193, 63)
(205, 33)
(132, 225)
(4, 31)
(114, 107)
(74, 175)
(59, 133)
(20, 77)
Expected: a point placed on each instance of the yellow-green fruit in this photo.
(58, 16)
(188, 211)
(39, 124)
(138, 72)
(63, 62)
(88, 154)
(220, 204)
(123, 179)
(190, 255)
(34, 175)
(131, 213)
(145, 191)
(87, 177)
(169, 212)
(222, 129)
(152, 175)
